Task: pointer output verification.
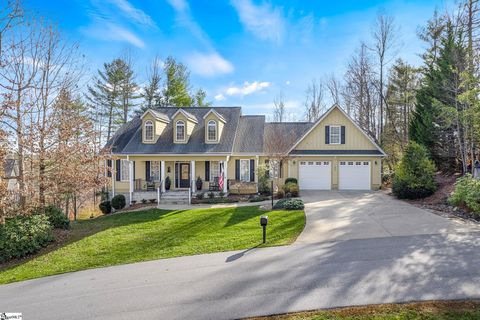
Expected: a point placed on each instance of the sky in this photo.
(241, 52)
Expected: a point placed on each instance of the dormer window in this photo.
(180, 130)
(212, 130)
(148, 130)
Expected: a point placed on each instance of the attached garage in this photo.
(315, 175)
(354, 175)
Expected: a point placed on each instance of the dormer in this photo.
(183, 125)
(153, 125)
(214, 123)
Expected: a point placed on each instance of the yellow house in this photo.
(171, 148)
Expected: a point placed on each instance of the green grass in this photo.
(431, 310)
(155, 234)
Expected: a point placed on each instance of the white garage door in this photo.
(315, 175)
(354, 175)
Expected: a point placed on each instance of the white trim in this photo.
(248, 161)
(185, 114)
(218, 115)
(122, 171)
(216, 131)
(155, 116)
(330, 126)
(348, 117)
(184, 130)
(339, 155)
(210, 154)
(150, 124)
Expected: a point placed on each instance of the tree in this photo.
(199, 99)
(314, 101)
(128, 87)
(279, 108)
(176, 91)
(152, 92)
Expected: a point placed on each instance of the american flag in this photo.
(220, 178)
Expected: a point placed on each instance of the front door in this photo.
(184, 169)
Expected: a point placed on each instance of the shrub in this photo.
(211, 195)
(292, 180)
(105, 207)
(118, 202)
(294, 204)
(221, 194)
(280, 204)
(152, 200)
(415, 175)
(24, 235)
(57, 218)
(291, 188)
(467, 193)
(144, 201)
(263, 180)
(199, 195)
(258, 198)
(280, 194)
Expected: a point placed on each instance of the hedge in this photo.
(467, 193)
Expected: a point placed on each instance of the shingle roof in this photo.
(160, 115)
(250, 132)
(128, 139)
(280, 136)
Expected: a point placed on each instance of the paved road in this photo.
(261, 281)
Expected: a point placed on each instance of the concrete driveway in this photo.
(347, 215)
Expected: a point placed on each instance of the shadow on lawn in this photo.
(241, 214)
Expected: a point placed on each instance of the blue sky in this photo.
(242, 52)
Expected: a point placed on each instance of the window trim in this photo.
(339, 134)
(177, 124)
(248, 162)
(124, 178)
(149, 123)
(154, 172)
(212, 123)
(212, 163)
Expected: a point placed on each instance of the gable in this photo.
(355, 139)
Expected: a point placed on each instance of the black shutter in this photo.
(118, 167)
(342, 135)
(237, 169)
(177, 174)
(133, 170)
(147, 170)
(252, 170)
(207, 170)
(109, 168)
(280, 174)
(267, 169)
(327, 134)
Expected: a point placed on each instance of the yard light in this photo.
(263, 223)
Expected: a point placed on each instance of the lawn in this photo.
(431, 310)
(155, 234)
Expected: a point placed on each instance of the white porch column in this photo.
(225, 176)
(130, 177)
(192, 173)
(162, 174)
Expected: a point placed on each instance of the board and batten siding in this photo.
(354, 138)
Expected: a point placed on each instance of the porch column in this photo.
(130, 177)
(225, 176)
(162, 174)
(256, 173)
(192, 171)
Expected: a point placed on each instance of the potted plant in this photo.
(199, 183)
(168, 183)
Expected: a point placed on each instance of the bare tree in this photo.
(333, 86)
(152, 90)
(10, 15)
(385, 36)
(314, 100)
(279, 108)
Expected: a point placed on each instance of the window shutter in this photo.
(177, 174)
(118, 167)
(109, 168)
(280, 175)
(147, 170)
(252, 170)
(133, 170)
(207, 170)
(267, 169)
(237, 169)
(327, 134)
(342, 135)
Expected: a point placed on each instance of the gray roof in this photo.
(323, 152)
(128, 139)
(250, 132)
(160, 115)
(281, 136)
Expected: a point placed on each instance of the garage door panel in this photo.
(315, 175)
(354, 175)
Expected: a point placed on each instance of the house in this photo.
(220, 144)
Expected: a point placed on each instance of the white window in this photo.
(318, 163)
(342, 163)
(245, 170)
(124, 170)
(310, 163)
(148, 130)
(358, 163)
(214, 170)
(334, 134)
(365, 163)
(350, 163)
(155, 170)
(274, 171)
(212, 131)
(180, 128)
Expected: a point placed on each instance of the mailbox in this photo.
(263, 220)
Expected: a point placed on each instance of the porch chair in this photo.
(213, 186)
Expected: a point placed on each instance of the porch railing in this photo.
(146, 185)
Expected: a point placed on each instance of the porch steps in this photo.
(175, 197)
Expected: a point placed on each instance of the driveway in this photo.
(316, 272)
(348, 215)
